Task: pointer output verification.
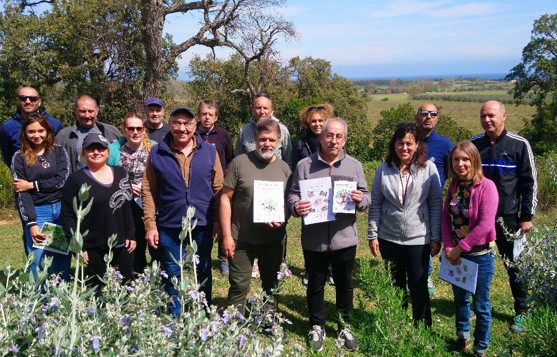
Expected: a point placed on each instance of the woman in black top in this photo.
(40, 170)
(110, 212)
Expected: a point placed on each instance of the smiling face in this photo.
(462, 164)
(95, 155)
(492, 118)
(134, 130)
(267, 143)
(405, 148)
(316, 123)
(86, 111)
(28, 100)
(207, 117)
(182, 128)
(36, 134)
(154, 114)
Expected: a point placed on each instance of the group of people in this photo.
(142, 183)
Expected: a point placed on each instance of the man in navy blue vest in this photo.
(438, 150)
(170, 187)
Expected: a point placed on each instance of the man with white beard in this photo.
(243, 239)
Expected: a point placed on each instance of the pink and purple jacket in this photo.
(484, 200)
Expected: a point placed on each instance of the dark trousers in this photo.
(317, 267)
(505, 247)
(121, 260)
(140, 259)
(410, 261)
(270, 257)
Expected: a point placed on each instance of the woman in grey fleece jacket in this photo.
(405, 215)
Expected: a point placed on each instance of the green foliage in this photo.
(541, 337)
(6, 186)
(448, 127)
(541, 130)
(382, 133)
(386, 328)
(547, 180)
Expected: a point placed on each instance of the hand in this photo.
(22, 185)
(356, 196)
(228, 246)
(374, 247)
(434, 248)
(152, 238)
(453, 254)
(85, 257)
(130, 244)
(136, 190)
(36, 234)
(302, 207)
(274, 224)
(526, 227)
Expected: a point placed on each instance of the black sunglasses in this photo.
(311, 109)
(32, 98)
(433, 113)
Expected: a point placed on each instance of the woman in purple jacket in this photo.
(468, 231)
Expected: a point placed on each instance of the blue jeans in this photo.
(169, 244)
(60, 262)
(481, 306)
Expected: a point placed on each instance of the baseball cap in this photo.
(155, 101)
(95, 138)
(182, 108)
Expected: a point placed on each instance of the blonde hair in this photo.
(475, 160)
(324, 109)
(147, 144)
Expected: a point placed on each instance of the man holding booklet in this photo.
(329, 233)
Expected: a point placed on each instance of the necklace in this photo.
(404, 179)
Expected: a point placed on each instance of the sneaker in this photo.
(519, 321)
(461, 345)
(255, 270)
(284, 268)
(430, 287)
(472, 315)
(224, 269)
(316, 337)
(330, 279)
(305, 278)
(349, 339)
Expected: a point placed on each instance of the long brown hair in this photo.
(420, 155)
(147, 144)
(26, 146)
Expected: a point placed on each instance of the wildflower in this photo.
(196, 259)
(118, 275)
(280, 275)
(90, 310)
(129, 288)
(214, 326)
(241, 317)
(194, 294)
(225, 317)
(96, 342)
(164, 275)
(40, 332)
(242, 340)
(288, 321)
(203, 333)
(14, 350)
(126, 318)
(166, 330)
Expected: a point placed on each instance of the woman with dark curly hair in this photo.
(40, 169)
(405, 216)
(312, 118)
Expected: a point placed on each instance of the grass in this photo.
(293, 299)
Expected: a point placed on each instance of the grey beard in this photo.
(265, 155)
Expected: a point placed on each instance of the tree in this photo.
(536, 78)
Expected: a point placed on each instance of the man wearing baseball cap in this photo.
(154, 112)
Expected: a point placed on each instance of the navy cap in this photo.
(182, 108)
(155, 101)
(95, 138)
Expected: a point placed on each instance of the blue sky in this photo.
(372, 39)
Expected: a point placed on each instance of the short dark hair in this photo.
(209, 103)
(420, 155)
(266, 124)
(262, 94)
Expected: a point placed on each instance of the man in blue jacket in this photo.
(182, 170)
(438, 150)
(28, 101)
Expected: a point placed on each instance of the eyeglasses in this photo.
(433, 113)
(405, 125)
(32, 98)
(189, 124)
(331, 137)
(139, 129)
(311, 109)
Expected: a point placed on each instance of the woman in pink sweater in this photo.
(468, 231)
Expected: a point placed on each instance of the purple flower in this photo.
(96, 341)
(40, 332)
(203, 333)
(126, 318)
(90, 310)
(166, 330)
(196, 259)
(280, 275)
(118, 275)
(129, 288)
(194, 294)
(241, 317)
(214, 326)
(14, 350)
(164, 275)
(225, 317)
(287, 321)
(242, 340)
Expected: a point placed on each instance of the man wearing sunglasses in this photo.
(438, 150)
(28, 101)
(71, 138)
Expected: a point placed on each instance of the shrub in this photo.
(6, 187)
(547, 180)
